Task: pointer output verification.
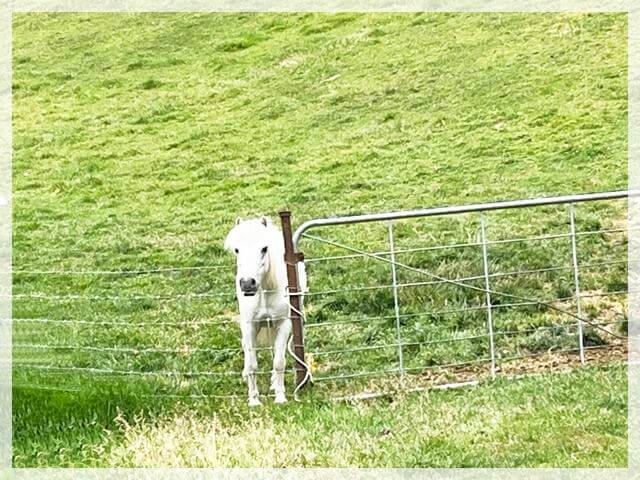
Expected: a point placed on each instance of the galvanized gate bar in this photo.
(485, 264)
(478, 207)
(291, 258)
(396, 303)
(293, 240)
(576, 279)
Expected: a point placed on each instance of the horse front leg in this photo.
(279, 360)
(249, 373)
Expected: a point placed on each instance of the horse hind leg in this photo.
(277, 381)
(277, 377)
(280, 362)
(273, 380)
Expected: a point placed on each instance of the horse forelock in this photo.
(248, 232)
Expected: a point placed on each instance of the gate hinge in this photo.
(295, 257)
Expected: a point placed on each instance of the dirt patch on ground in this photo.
(451, 377)
(550, 362)
(605, 340)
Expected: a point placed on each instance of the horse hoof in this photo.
(280, 399)
(254, 402)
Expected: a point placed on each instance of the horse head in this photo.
(255, 243)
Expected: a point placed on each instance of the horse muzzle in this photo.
(248, 286)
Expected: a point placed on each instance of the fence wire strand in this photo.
(133, 350)
(467, 244)
(312, 293)
(559, 326)
(153, 373)
(460, 310)
(117, 272)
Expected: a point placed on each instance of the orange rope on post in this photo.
(291, 258)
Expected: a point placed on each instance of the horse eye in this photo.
(264, 250)
(236, 250)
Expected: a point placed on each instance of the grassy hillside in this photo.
(138, 139)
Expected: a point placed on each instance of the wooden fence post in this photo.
(292, 258)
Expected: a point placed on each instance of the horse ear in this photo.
(227, 242)
(238, 221)
(265, 221)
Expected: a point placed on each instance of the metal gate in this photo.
(584, 314)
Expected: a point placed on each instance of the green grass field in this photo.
(558, 420)
(138, 140)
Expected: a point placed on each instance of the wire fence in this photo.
(394, 324)
(570, 325)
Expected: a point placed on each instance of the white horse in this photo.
(261, 288)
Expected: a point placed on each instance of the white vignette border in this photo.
(329, 6)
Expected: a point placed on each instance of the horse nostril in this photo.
(247, 283)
